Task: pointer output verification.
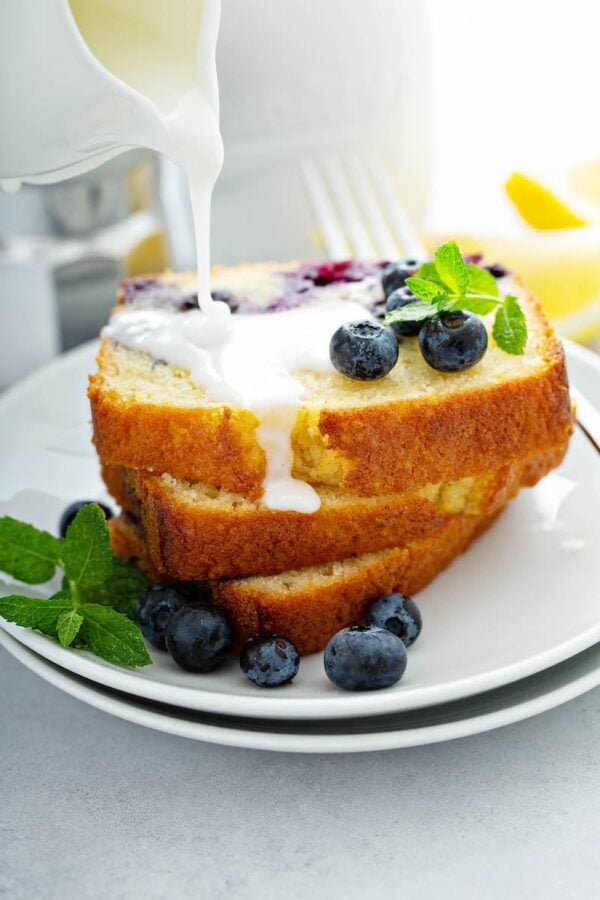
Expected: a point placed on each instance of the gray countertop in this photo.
(94, 807)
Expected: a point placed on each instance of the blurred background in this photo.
(484, 115)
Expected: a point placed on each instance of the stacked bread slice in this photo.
(409, 469)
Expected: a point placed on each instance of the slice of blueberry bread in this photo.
(414, 427)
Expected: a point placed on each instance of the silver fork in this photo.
(357, 208)
(358, 213)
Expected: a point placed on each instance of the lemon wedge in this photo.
(538, 206)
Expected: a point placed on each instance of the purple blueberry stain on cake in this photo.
(339, 271)
(133, 287)
(157, 293)
(299, 286)
(308, 280)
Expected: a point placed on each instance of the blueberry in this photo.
(199, 638)
(364, 658)
(395, 274)
(72, 510)
(182, 304)
(497, 270)
(363, 350)
(269, 660)
(396, 300)
(156, 607)
(453, 341)
(399, 614)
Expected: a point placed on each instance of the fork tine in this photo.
(389, 198)
(324, 211)
(356, 207)
(387, 246)
(341, 190)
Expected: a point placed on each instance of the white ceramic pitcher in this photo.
(67, 105)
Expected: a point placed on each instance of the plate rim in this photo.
(198, 699)
(273, 741)
(327, 706)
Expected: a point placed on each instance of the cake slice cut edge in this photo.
(194, 531)
(309, 605)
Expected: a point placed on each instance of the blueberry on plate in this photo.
(364, 658)
(395, 274)
(199, 638)
(396, 300)
(72, 510)
(269, 660)
(453, 341)
(155, 608)
(363, 350)
(399, 614)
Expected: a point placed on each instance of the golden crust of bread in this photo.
(456, 436)
(316, 609)
(364, 449)
(215, 445)
(190, 537)
(191, 541)
(310, 605)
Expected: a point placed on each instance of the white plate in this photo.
(503, 706)
(525, 597)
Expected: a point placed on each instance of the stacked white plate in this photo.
(511, 629)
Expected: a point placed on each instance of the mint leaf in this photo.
(86, 554)
(412, 312)
(510, 326)
(481, 282)
(26, 552)
(120, 591)
(426, 289)
(67, 626)
(33, 612)
(429, 271)
(451, 267)
(481, 306)
(111, 636)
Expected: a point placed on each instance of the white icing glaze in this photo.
(249, 362)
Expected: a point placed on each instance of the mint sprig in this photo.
(451, 268)
(34, 612)
(87, 557)
(112, 636)
(68, 625)
(26, 553)
(95, 606)
(510, 326)
(120, 590)
(449, 283)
